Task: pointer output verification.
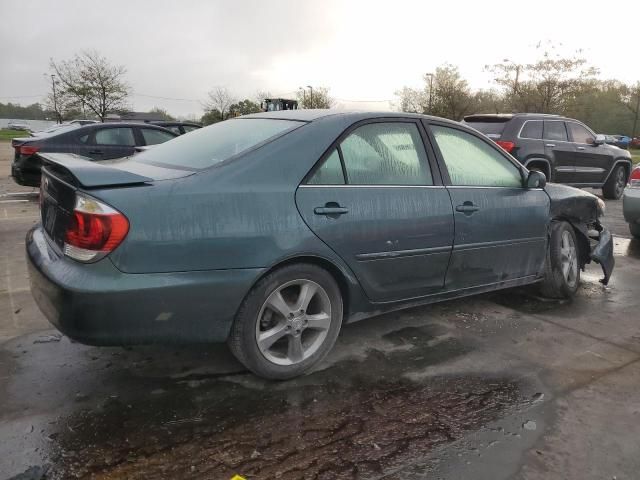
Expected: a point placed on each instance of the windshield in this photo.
(207, 146)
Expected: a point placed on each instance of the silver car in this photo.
(631, 203)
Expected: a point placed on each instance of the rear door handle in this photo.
(550, 145)
(330, 210)
(580, 148)
(467, 208)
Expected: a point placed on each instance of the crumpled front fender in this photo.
(602, 254)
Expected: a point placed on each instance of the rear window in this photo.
(532, 129)
(214, 144)
(492, 128)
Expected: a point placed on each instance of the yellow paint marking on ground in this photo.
(238, 477)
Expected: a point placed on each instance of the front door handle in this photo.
(467, 208)
(580, 148)
(550, 145)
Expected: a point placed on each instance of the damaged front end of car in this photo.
(583, 211)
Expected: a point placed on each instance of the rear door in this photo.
(111, 142)
(592, 162)
(500, 226)
(376, 201)
(559, 150)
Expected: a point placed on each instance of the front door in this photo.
(559, 150)
(374, 201)
(500, 226)
(592, 162)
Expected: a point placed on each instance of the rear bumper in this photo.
(97, 304)
(631, 205)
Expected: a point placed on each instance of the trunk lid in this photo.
(63, 174)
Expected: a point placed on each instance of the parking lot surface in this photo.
(505, 385)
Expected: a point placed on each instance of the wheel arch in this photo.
(540, 161)
(347, 283)
(617, 161)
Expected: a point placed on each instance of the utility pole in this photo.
(55, 100)
(637, 112)
(430, 75)
(310, 95)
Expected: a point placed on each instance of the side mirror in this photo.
(599, 140)
(536, 179)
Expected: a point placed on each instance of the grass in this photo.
(6, 135)
(635, 156)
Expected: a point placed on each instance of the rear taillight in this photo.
(634, 179)
(506, 146)
(28, 149)
(94, 230)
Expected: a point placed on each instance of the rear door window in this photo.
(115, 136)
(555, 130)
(532, 129)
(154, 137)
(386, 154)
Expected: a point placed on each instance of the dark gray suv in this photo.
(564, 149)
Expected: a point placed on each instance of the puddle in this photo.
(355, 419)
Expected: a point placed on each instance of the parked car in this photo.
(101, 141)
(635, 142)
(16, 125)
(564, 149)
(631, 203)
(178, 127)
(269, 231)
(622, 141)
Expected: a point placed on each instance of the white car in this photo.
(14, 125)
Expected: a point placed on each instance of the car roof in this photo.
(310, 115)
(508, 116)
(171, 123)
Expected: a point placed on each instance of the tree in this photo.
(631, 99)
(318, 98)
(220, 100)
(244, 107)
(451, 96)
(211, 116)
(93, 82)
(548, 85)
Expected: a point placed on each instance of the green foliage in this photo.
(552, 84)
(211, 116)
(30, 112)
(319, 98)
(244, 107)
(162, 113)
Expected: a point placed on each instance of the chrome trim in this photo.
(498, 243)
(589, 170)
(565, 169)
(483, 187)
(402, 253)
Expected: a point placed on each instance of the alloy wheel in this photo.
(620, 182)
(569, 259)
(293, 322)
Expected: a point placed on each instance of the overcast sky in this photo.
(362, 50)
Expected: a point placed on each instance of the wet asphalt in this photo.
(505, 385)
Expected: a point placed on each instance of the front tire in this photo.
(288, 322)
(614, 186)
(562, 267)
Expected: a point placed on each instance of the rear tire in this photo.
(288, 322)
(562, 268)
(635, 230)
(614, 186)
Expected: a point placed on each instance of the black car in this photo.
(564, 149)
(102, 141)
(178, 127)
